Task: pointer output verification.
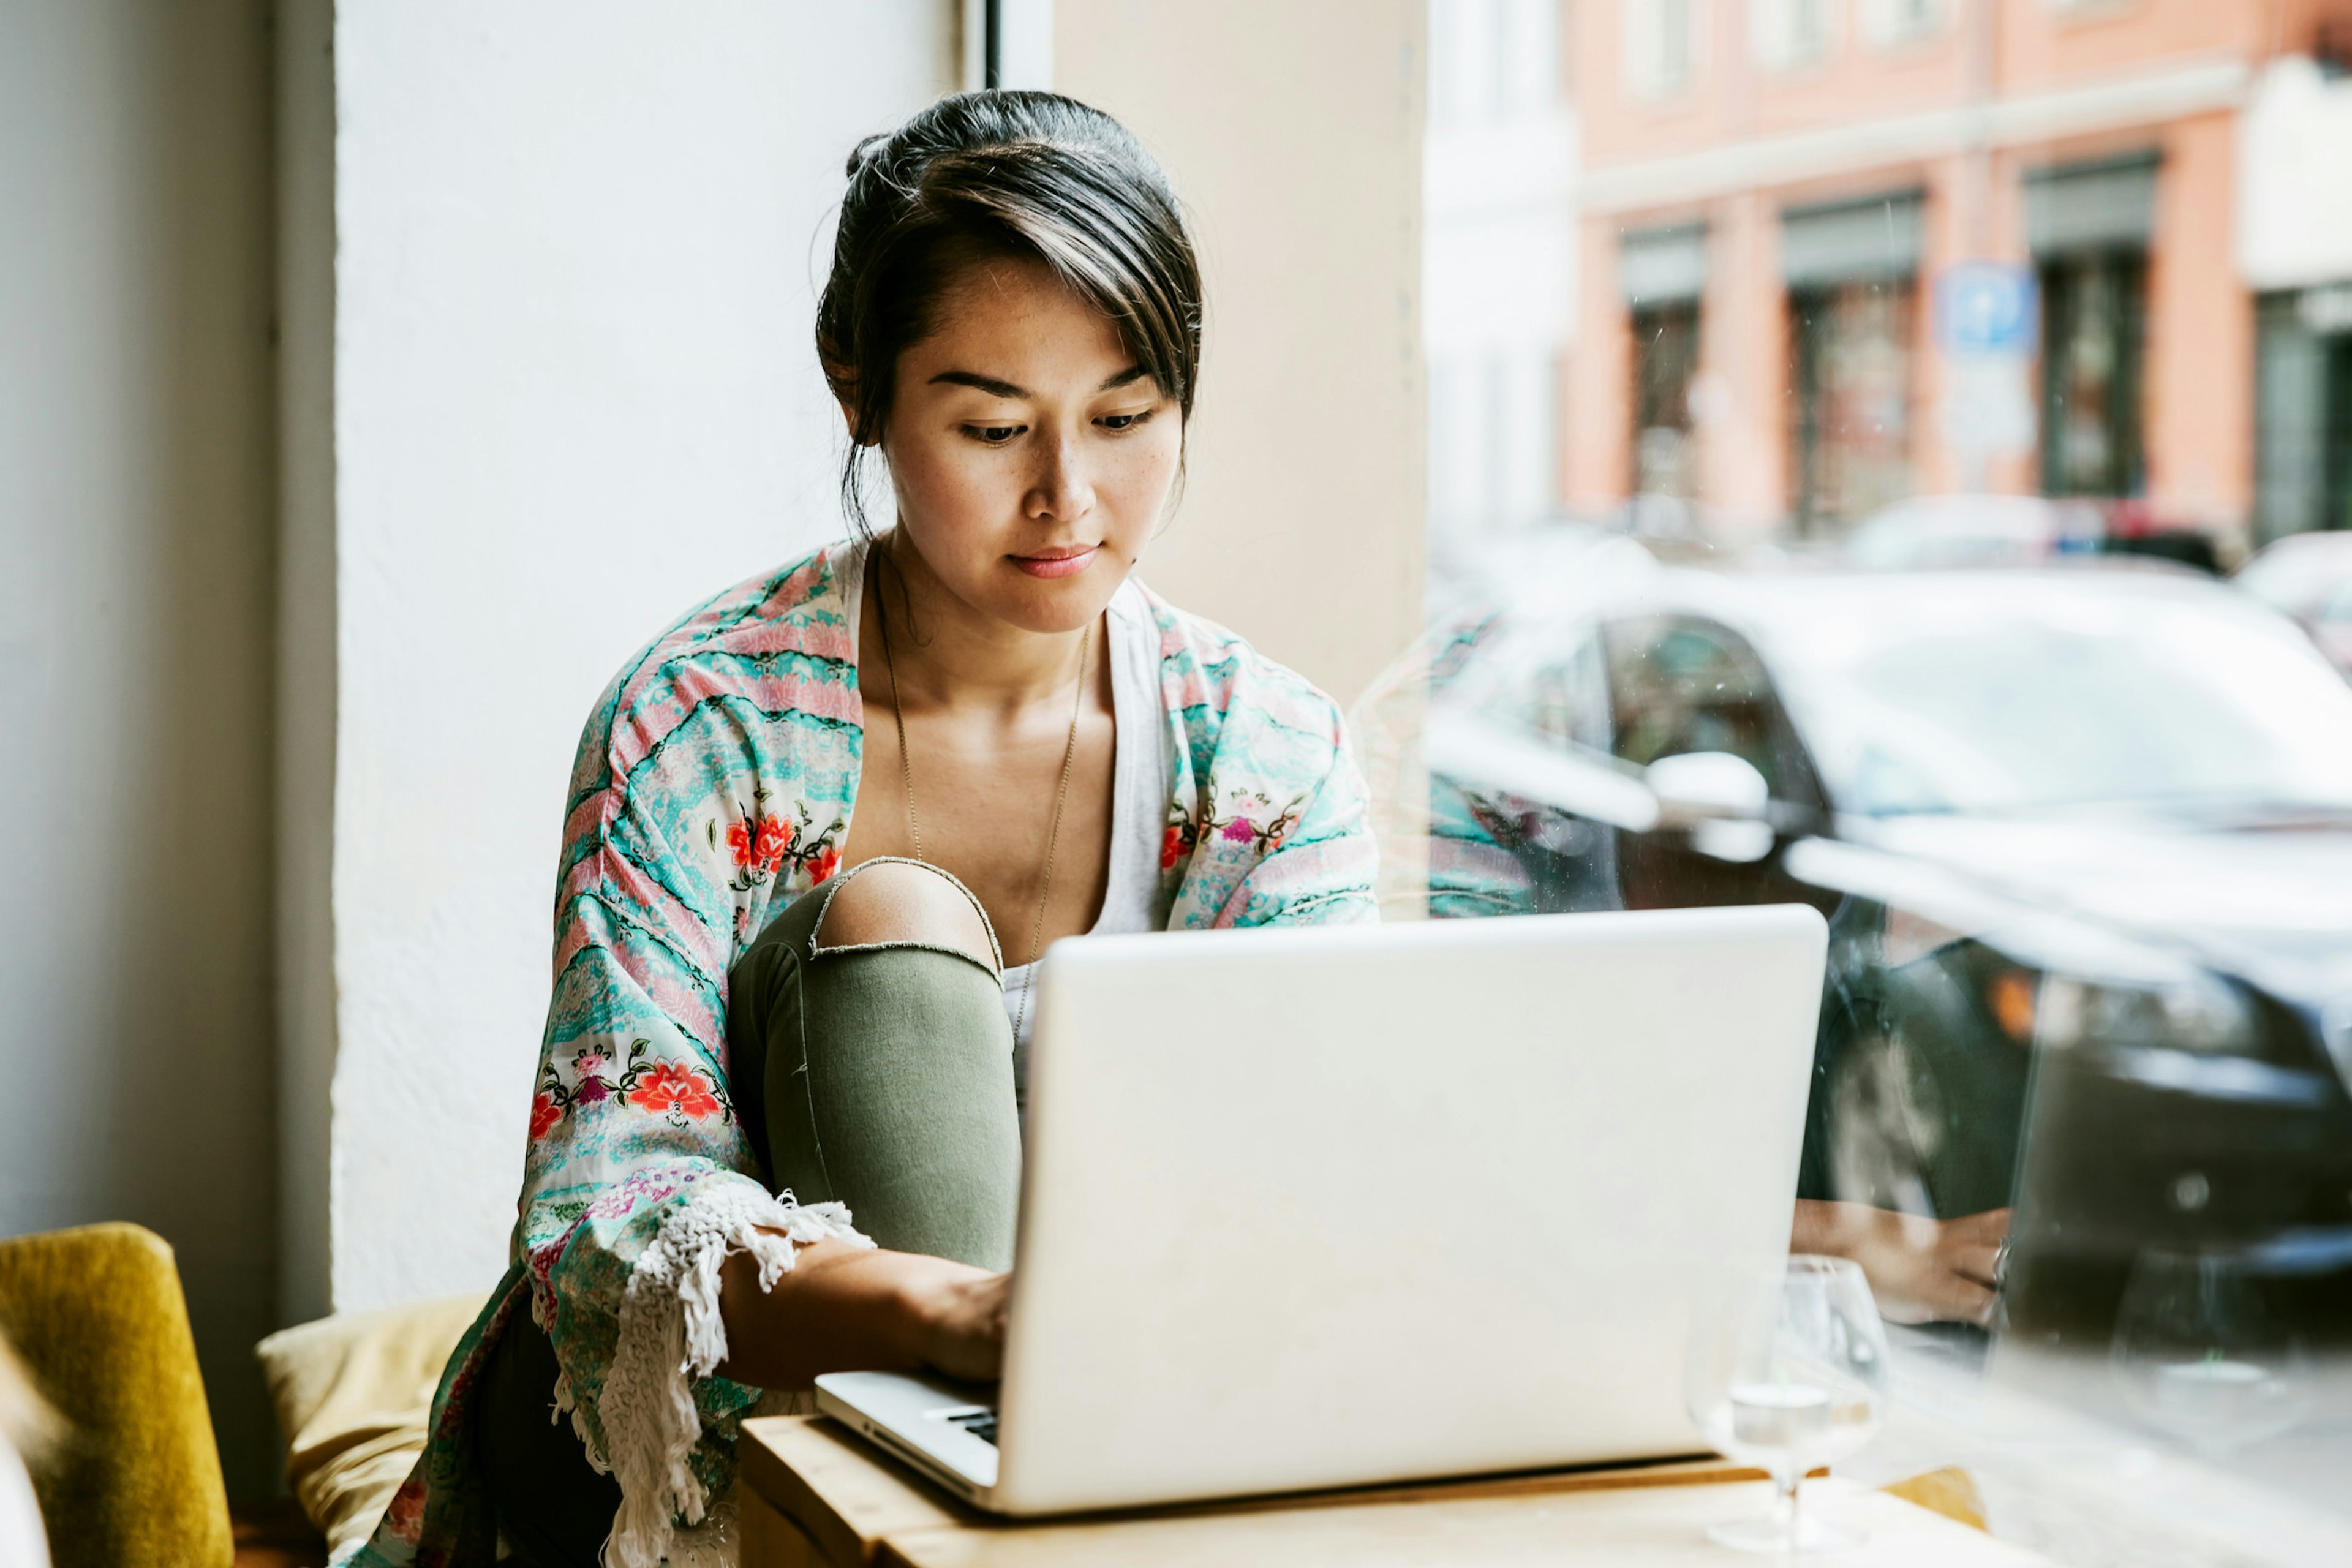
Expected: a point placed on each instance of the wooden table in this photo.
(814, 1497)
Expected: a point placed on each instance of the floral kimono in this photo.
(715, 784)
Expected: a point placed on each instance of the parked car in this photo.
(1978, 530)
(2308, 577)
(2084, 840)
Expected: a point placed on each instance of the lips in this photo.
(1063, 560)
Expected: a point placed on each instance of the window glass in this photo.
(1944, 520)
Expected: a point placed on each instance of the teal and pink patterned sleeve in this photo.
(638, 1179)
(1266, 822)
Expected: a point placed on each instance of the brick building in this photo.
(1769, 191)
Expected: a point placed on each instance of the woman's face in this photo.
(1030, 453)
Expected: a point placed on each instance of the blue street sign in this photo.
(1986, 308)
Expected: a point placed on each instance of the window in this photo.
(1663, 272)
(1662, 42)
(1879, 349)
(2092, 312)
(1792, 34)
(1666, 362)
(1892, 24)
(1851, 414)
(2303, 450)
(1851, 270)
(2090, 226)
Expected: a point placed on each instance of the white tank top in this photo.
(1138, 807)
(1139, 800)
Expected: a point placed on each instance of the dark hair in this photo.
(983, 175)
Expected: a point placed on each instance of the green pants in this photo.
(876, 1076)
(885, 1077)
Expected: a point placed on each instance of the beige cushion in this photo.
(352, 1394)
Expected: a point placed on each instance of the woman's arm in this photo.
(1920, 1269)
(846, 1308)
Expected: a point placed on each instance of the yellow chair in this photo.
(97, 1316)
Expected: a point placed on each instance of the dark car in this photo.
(2084, 840)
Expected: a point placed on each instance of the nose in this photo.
(1062, 490)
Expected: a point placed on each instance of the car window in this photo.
(1678, 684)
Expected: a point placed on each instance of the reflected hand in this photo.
(963, 1324)
(1920, 1269)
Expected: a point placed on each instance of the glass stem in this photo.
(1784, 1508)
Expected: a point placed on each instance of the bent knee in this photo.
(905, 901)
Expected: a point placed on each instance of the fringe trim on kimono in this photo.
(670, 1336)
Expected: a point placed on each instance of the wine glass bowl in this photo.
(1787, 1371)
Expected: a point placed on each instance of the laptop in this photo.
(1319, 1207)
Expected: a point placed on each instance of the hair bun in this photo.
(868, 149)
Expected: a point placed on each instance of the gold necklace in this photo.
(1061, 797)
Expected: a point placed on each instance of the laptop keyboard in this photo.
(980, 1424)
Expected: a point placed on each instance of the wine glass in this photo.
(2202, 1356)
(1787, 1371)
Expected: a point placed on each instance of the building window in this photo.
(2089, 226)
(1792, 34)
(2302, 404)
(1893, 24)
(1851, 270)
(2093, 312)
(1665, 361)
(1852, 410)
(1663, 273)
(1662, 41)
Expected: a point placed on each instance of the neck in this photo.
(946, 654)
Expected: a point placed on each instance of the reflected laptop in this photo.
(1320, 1207)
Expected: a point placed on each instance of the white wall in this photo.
(578, 251)
(136, 479)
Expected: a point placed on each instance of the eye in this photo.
(993, 434)
(1123, 421)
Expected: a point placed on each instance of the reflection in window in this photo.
(1678, 686)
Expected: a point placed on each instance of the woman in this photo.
(776, 1128)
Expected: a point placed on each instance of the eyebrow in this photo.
(996, 388)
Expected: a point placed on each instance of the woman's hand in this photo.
(1920, 1269)
(844, 1308)
(962, 1320)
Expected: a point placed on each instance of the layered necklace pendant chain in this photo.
(1061, 799)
